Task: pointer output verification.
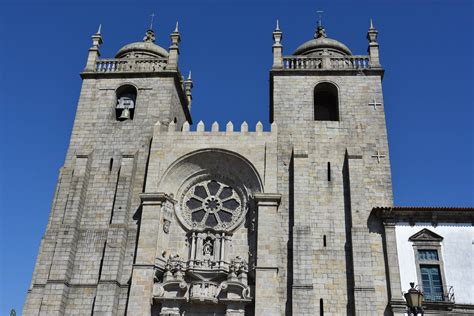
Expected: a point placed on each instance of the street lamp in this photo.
(414, 300)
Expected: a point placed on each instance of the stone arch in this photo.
(220, 162)
(125, 101)
(226, 167)
(326, 101)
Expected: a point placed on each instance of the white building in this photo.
(435, 250)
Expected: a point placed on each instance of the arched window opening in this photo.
(326, 102)
(126, 99)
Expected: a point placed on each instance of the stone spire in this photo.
(277, 47)
(97, 38)
(373, 48)
(174, 48)
(372, 33)
(188, 87)
(94, 51)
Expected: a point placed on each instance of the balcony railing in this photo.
(323, 63)
(440, 297)
(131, 65)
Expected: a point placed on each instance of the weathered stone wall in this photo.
(351, 263)
(86, 254)
(172, 165)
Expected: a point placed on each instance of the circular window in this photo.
(211, 204)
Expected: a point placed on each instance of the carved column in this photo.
(192, 255)
(267, 301)
(141, 290)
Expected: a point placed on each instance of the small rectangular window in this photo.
(428, 255)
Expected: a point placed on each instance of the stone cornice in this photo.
(395, 214)
(321, 72)
(267, 199)
(154, 198)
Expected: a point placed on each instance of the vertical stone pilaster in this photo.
(267, 301)
(54, 299)
(364, 290)
(108, 289)
(141, 290)
(396, 300)
(302, 237)
(140, 299)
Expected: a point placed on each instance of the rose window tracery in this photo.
(212, 204)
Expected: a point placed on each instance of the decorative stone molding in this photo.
(153, 198)
(212, 204)
(178, 281)
(267, 199)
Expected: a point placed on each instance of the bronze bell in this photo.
(125, 115)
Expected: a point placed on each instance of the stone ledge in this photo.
(153, 198)
(267, 199)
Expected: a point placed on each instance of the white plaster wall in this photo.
(457, 251)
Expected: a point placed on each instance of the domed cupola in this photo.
(321, 43)
(145, 49)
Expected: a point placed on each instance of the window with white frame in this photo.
(429, 265)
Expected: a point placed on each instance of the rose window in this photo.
(212, 204)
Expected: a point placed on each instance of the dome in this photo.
(144, 49)
(322, 42)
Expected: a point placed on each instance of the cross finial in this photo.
(151, 22)
(320, 17)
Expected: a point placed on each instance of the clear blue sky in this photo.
(426, 49)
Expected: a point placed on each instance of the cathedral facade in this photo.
(153, 217)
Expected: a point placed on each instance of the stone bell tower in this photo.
(333, 168)
(86, 255)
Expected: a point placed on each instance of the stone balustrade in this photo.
(326, 62)
(130, 65)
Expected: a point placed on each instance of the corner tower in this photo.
(86, 255)
(333, 168)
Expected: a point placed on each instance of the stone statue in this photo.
(149, 36)
(166, 226)
(207, 248)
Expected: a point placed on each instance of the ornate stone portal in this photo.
(209, 211)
